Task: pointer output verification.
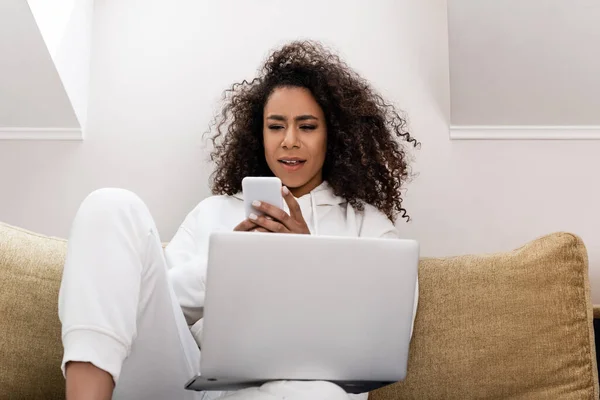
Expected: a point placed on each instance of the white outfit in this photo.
(122, 297)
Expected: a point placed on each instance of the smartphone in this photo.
(263, 189)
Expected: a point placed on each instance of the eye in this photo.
(308, 127)
(275, 127)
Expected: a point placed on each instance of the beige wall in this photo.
(156, 76)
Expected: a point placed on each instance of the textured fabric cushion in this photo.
(516, 325)
(30, 346)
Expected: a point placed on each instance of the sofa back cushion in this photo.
(514, 325)
(30, 344)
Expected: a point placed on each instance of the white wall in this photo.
(52, 18)
(533, 62)
(66, 26)
(158, 68)
(31, 92)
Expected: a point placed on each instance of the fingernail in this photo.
(256, 203)
(286, 191)
(253, 217)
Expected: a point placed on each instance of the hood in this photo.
(322, 195)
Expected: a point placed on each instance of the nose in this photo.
(291, 139)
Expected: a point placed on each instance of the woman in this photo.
(132, 315)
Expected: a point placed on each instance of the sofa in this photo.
(513, 325)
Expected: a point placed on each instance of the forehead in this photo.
(291, 101)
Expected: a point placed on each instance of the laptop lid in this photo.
(301, 307)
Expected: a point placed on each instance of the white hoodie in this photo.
(325, 214)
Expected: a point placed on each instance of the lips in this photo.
(292, 163)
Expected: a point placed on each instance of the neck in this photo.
(308, 187)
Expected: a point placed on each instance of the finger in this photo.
(245, 226)
(295, 211)
(268, 224)
(260, 229)
(271, 211)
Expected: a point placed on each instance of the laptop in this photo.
(302, 307)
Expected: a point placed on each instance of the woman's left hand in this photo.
(278, 221)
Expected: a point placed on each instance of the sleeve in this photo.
(187, 256)
(377, 225)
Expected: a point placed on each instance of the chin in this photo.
(292, 183)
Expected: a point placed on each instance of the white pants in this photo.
(119, 312)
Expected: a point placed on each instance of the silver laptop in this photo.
(301, 307)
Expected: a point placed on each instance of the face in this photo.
(295, 138)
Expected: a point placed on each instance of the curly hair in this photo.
(364, 163)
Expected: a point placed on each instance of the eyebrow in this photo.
(298, 118)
